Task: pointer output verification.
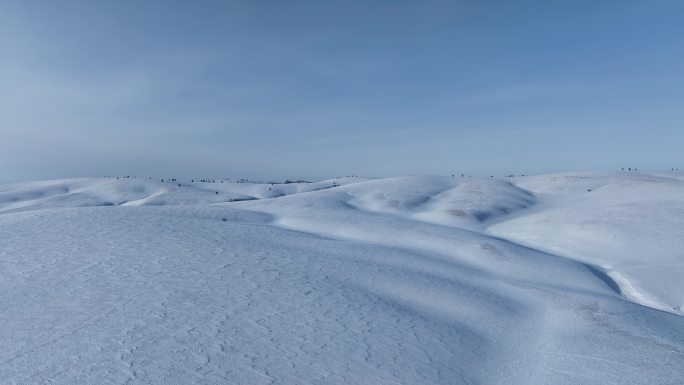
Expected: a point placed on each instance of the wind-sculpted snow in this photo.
(86, 192)
(631, 225)
(389, 281)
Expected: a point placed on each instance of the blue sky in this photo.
(317, 89)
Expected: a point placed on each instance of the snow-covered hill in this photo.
(563, 279)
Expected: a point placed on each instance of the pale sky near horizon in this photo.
(318, 89)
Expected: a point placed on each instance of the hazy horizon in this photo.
(313, 90)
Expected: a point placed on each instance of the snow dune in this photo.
(630, 225)
(410, 280)
(140, 192)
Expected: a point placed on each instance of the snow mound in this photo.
(410, 280)
(85, 192)
(629, 224)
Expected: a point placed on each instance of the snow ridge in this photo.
(409, 280)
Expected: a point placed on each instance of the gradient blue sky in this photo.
(316, 89)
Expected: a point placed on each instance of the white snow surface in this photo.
(573, 278)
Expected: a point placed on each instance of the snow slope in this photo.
(411, 280)
(141, 192)
(630, 224)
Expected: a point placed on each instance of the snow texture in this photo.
(563, 279)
